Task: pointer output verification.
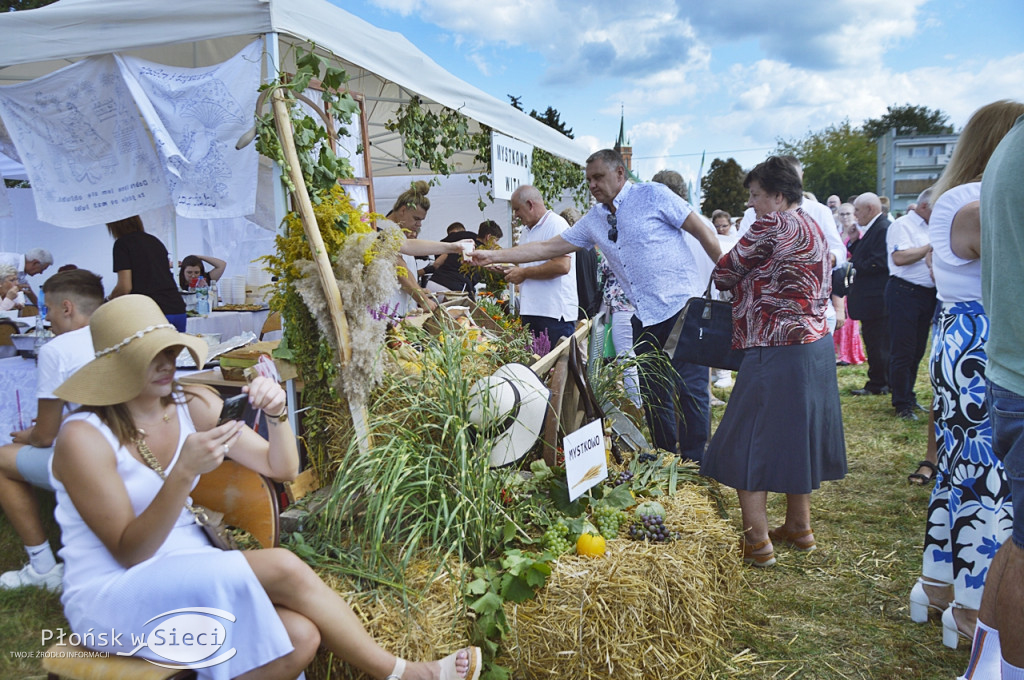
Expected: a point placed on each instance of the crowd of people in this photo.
(811, 286)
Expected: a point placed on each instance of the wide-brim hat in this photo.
(509, 407)
(127, 334)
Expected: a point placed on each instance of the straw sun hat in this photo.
(127, 333)
(509, 406)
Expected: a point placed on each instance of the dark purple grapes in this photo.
(624, 478)
(651, 528)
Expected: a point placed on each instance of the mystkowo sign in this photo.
(511, 164)
(585, 462)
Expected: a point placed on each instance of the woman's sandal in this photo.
(918, 478)
(780, 534)
(920, 604)
(756, 559)
(951, 631)
(448, 669)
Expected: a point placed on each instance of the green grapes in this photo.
(555, 539)
(608, 520)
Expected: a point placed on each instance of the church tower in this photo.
(622, 144)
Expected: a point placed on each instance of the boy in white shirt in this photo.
(71, 298)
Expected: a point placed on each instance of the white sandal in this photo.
(920, 603)
(448, 669)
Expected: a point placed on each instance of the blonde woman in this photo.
(123, 468)
(969, 513)
(409, 211)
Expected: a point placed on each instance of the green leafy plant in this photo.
(430, 138)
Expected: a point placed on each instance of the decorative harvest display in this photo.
(421, 534)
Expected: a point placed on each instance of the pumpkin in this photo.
(590, 545)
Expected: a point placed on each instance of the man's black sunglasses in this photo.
(613, 230)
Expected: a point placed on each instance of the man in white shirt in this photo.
(547, 289)
(35, 261)
(71, 298)
(910, 299)
(661, 253)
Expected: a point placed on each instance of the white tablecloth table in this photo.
(17, 386)
(228, 324)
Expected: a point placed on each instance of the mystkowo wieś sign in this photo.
(585, 462)
(511, 164)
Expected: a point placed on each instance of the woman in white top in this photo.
(9, 289)
(135, 556)
(969, 512)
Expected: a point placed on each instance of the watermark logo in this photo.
(192, 637)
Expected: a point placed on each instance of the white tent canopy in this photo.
(385, 67)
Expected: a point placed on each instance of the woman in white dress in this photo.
(133, 553)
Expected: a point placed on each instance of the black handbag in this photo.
(702, 334)
(842, 278)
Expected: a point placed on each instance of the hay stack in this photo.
(430, 627)
(641, 611)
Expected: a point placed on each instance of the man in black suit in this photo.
(866, 298)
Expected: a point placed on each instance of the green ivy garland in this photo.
(430, 139)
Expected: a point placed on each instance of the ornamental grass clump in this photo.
(426, 483)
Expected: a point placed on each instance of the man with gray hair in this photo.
(659, 250)
(547, 287)
(910, 299)
(35, 261)
(866, 298)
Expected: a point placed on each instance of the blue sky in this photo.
(726, 77)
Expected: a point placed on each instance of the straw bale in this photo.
(430, 625)
(641, 611)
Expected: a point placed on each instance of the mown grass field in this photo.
(839, 612)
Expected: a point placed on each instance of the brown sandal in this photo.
(793, 540)
(757, 559)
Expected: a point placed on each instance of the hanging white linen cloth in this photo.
(5, 200)
(7, 149)
(83, 145)
(196, 116)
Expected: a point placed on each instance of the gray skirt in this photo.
(783, 428)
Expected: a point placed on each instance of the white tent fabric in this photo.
(385, 67)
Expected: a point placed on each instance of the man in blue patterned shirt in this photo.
(662, 254)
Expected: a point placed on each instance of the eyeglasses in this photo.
(613, 229)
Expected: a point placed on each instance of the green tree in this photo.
(908, 120)
(837, 160)
(15, 5)
(722, 188)
(551, 117)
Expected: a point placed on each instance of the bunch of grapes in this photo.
(647, 457)
(624, 478)
(651, 528)
(609, 520)
(555, 539)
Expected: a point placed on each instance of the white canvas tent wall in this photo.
(385, 67)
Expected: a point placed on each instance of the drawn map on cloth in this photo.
(83, 145)
(196, 116)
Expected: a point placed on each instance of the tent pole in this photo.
(325, 272)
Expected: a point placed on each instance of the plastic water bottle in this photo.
(214, 296)
(41, 336)
(202, 297)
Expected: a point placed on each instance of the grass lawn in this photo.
(838, 612)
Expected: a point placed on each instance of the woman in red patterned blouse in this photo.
(782, 430)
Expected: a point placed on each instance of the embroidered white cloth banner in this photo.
(84, 147)
(5, 201)
(196, 116)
